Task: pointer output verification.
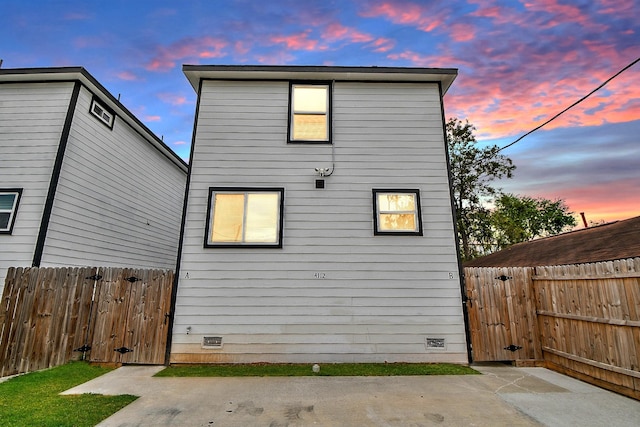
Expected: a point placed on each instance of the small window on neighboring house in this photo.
(9, 199)
(244, 217)
(103, 114)
(310, 113)
(397, 212)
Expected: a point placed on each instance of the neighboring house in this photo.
(607, 242)
(318, 223)
(82, 181)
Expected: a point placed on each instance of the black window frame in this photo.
(232, 190)
(376, 212)
(14, 211)
(329, 86)
(96, 101)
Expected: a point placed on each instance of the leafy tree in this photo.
(473, 170)
(518, 219)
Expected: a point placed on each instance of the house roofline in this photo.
(195, 73)
(51, 74)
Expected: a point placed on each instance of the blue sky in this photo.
(519, 62)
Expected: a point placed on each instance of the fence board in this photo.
(47, 314)
(585, 319)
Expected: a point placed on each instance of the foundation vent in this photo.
(435, 343)
(212, 342)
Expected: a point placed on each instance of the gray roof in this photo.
(195, 73)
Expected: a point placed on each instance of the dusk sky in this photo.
(519, 63)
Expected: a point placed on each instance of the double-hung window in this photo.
(9, 199)
(310, 113)
(244, 217)
(397, 212)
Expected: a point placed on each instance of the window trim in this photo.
(376, 212)
(329, 114)
(235, 190)
(13, 213)
(96, 102)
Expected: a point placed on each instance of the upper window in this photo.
(103, 114)
(397, 212)
(310, 117)
(9, 199)
(244, 217)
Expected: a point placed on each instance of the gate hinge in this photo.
(94, 277)
(123, 350)
(83, 349)
(513, 347)
(503, 278)
(132, 279)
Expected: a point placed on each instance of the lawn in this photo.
(330, 369)
(33, 399)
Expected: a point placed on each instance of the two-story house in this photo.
(82, 181)
(318, 223)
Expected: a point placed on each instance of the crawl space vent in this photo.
(436, 343)
(212, 342)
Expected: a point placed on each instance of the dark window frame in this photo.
(232, 190)
(329, 86)
(14, 211)
(376, 212)
(96, 101)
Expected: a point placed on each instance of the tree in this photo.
(473, 169)
(518, 219)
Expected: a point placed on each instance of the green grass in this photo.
(33, 399)
(327, 370)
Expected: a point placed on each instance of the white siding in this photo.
(31, 120)
(379, 297)
(118, 200)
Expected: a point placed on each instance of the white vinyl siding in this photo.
(335, 292)
(118, 200)
(31, 120)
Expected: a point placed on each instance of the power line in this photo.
(574, 104)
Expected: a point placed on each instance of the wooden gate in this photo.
(49, 316)
(131, 311)
(502, 319)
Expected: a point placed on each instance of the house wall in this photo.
(334, 292)
(31, 120)
(118, 200)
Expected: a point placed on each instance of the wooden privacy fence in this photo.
(582, 320)
(109, 315)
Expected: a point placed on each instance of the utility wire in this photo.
(574, 104)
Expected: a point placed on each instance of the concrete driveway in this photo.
(503, 396)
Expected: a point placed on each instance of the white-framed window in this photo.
(9, 200)
(397, 212)
(244, 217)
(104, 114)
(310, 113)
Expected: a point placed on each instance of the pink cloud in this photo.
(153, 118)
(298, 41)
(336, 31)
(424, 18)
(601, 203)
(383, 44)
(127, 75)
(462, 32)
(563, 13)
(167, 57)
(241, 48)
(180, 143)
(173, 98)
